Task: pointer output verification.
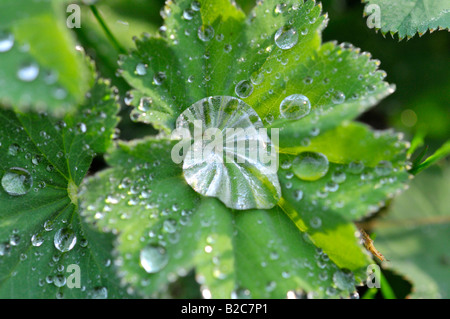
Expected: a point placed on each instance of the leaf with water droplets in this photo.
(166, 230)
(407, 17)
(364, 168)
(171, 218)
(38, 56)
(42, 238)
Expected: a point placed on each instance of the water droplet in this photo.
(338, 97)
(295, 107)
(37, 240)
(99, 293)
(315, 222)
(170, 225)
(355, 167)
(141, 69)
(65, 239)
(238, 141)
(28, 72)
(243, 89)
(59, 280)
(195, 5)
(6, 41)
(286, 37)
(17, 181)
(188, 14)
(153, 258)
(310, 166)
(344, 280)
(257, 78)
(13, 149)
(205, 32)
(383, 168)
(298, 195)
(338, 177)
(159, 78)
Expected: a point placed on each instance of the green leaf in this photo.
(42, 162)
(364, 169)
(414, 235)
(408, 17)
(257, 253)
(440, 153)
(307, 243)
(42, 60)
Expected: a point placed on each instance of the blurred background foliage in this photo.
(420, 107)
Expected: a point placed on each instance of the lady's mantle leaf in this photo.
(38, 56)
(408, 17)
(42, 162)
(274, 62)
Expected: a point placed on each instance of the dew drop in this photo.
(65, 239)
(310, 166)
(159, 78)
(355, 167)
(153, 258)
(338, 97)
(141, 69)
(28, 72)
(383, 168)
(13, 149)
(243, 89)
(286, 37)
(295, 107)
(205, 32)
(17, 181)
(99, 293)
(338, 177)
(344, 280)
(188, 14)
(315, 222)
(6, 41)
(37, 240)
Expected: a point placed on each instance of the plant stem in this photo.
(386, 289)
(370, 293)
(107, 31)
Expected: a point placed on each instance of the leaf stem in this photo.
(107, 31)
(386, 289)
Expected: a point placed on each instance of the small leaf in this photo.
(408, 17)
(41, 58)
(42, 162)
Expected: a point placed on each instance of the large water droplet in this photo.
(65, 239)
(310, 166)
(153, 258)
(28, 72)
(17, 181)
(6, 41)
(295, 107)
(286, 37)
(228, 154)
(243, 89)
(205, 32)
